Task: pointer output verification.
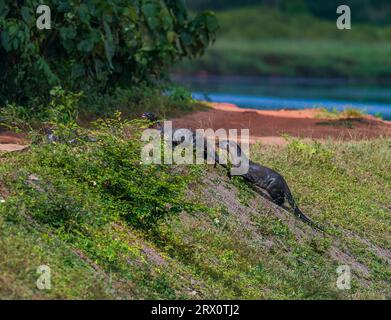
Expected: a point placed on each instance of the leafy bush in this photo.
(133, 101)
(62, 110)
(15, 117)
(94, 43)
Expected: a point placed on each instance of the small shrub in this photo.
(63, 107)
(335, 114)
(15, 117)
(353, 113)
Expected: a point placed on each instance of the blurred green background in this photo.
(297, 38)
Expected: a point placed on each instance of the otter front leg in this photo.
(277, 196)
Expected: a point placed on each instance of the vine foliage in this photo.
(95, 43)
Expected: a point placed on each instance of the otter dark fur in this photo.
(271, 181)
(150, 116)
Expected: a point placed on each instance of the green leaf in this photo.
(84, 14)
(86, 45)
(68, 32)
(13, 30)
(25, 12)
(186, 38)
(153, 23)
(6, 41)
(64, 7)
(78, 70)
(171, 36)
(4, 8)
(212, 23)
(44, 66)
(131, 13)
(15, 44)
(109, 44)
(149, 10)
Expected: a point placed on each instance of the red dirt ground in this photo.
(269, 126)
(10, 141)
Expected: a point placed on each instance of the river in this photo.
(281, 93)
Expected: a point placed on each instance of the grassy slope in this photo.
(262, 41)
(232, 244)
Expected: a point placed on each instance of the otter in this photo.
(258, 175)
(271, 181)
(156, 124)
(151, 117)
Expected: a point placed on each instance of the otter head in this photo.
(238, 158)
(150, 116)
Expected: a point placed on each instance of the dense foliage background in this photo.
(94, 43)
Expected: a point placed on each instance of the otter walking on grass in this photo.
(203, 143)
(269, 180)
(260, 176)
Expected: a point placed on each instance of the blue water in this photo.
(274, 94)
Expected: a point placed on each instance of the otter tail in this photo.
(298, 213)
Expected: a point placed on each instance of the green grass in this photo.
(339, 185)
(262, 41)
(112, 228)
(348, 113)
(355, 174)
(64, 208)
